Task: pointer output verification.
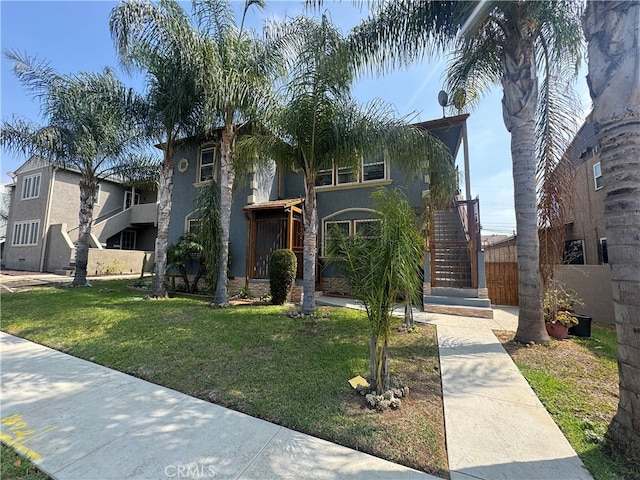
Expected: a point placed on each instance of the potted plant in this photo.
(559, 313)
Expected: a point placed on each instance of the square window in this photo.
(373, 168)
(26, 233)
(324, 177)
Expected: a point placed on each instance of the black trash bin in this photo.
(583, 329)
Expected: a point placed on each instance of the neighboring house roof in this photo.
(585, 142)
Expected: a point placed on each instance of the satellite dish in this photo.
(443, 98)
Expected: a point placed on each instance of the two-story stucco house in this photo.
(42, 227)
(267, 215)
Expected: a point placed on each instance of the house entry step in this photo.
(460, 310)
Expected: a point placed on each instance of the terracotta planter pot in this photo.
(557, 330)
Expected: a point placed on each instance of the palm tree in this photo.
(379, 269)
(162, 41)
(91, 126)
(611, 30)
(318, 124)
(239, 71)
(506, 43)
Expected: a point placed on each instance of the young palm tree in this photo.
(91, 126)
(319, 124)
(162, 41)
(379, 269)
(507, 43)
(613, 35)
(238, 74)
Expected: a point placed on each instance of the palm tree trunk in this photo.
(164, 213)
(612, 30)
(310, 222)
(85, 217)
(519, 106)
(227, 177)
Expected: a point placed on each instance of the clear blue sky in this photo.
(74, 36)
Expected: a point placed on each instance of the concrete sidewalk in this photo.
(496, 428)
(82, 421)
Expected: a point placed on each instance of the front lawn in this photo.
(254, 359)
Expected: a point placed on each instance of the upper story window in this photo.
(207, 164)
(597, 176)
(370, 169)
(26, 233)
(31, 186)
(96, 197)
(131, 198)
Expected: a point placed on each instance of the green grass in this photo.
(577, 382)
(253, 359)
(17, 467)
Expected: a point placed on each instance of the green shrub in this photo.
(282, 273)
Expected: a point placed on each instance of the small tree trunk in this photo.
(227, 177)
(164, 213)
(85, 217)
(519, 106)
(310, 221)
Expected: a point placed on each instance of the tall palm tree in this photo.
(91, 126)
(613, 35)
(238, 74)
(319, 124)
(162, 41)
(505, 43)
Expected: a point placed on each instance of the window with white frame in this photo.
(597, 176)
(31, 186)
(192, 225)
(363, 227)
(131, 198)
(96, 197)
(370, 169)
(25, 233)
(207, 164)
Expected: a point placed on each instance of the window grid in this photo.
(370, 169)
(206, 169)
(31, 187)
(26, 233)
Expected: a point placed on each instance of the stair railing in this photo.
(469, 211)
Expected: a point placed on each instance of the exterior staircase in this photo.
(453, 280)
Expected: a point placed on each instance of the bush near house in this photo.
(282, 273)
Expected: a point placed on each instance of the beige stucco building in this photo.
(42, 227)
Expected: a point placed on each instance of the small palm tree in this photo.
(380, 268)
(92, 125)
(319, 124)
(511, 44)
(611, 29)
(162, 41)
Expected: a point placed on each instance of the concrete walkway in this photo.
(82, 421)
(496, 428)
